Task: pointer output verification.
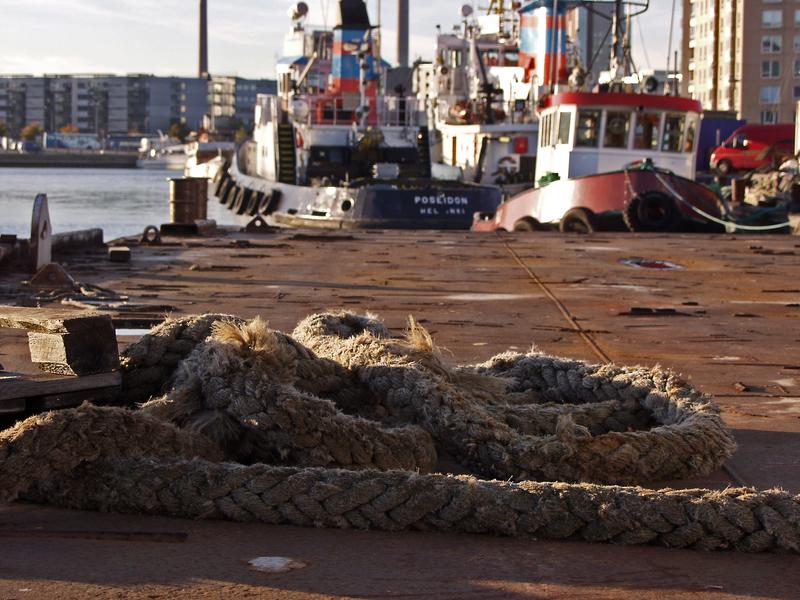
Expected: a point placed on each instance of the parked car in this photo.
(29, 146)
(754, 146)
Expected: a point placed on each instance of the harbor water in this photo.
(120, 201)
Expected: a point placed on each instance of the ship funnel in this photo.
(203, 66)
(543, 42)
(352, 48)
(402, 33)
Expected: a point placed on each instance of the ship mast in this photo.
(617, 59)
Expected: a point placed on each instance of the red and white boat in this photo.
(616, 157)
(613, 161)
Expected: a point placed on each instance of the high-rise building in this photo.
(743, 56)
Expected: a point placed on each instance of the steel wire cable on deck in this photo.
(560, 305)
(336, 424)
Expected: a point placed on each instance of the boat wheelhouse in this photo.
(585, 133)
(613, 160)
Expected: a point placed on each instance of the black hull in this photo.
(410, 204)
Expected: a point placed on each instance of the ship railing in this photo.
(515, 112)
(388, 111)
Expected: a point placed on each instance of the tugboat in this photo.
(333, 149)
(479, 102)
(617, 157)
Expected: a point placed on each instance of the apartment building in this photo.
(743, 56)
(115, 104)
(231, 100)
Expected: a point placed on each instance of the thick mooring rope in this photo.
(338, 424)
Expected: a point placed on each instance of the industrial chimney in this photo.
(203, 39)
(402, 33)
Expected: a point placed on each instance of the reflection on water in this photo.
(121, 201)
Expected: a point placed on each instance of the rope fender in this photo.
(341, 392)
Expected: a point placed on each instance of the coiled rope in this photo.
(337, 425)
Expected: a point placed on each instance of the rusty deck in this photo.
(728, 319)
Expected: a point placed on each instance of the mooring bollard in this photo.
(41, 234)
(188, 199)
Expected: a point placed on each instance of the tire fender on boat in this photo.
(233, 194)
(242, 201)
(221, 173)
(651, 212)
(578, 220)
(528, 224)
(269, 202)
(219, 181)
(253, 203)
(228, 188)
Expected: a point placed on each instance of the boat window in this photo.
(564, 127)
(673, 132)
(547, 130)
(691, 133)
(588, 128)
(645, 135)
(618, 124)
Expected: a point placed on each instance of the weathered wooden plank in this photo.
(64, 342)
(41, 385)
(49, 320)
(89, 348)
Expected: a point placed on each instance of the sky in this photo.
(245, 36)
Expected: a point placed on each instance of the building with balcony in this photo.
(231, 100)
(743, 56)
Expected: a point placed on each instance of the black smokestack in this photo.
(203, 39)
(402, 33)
